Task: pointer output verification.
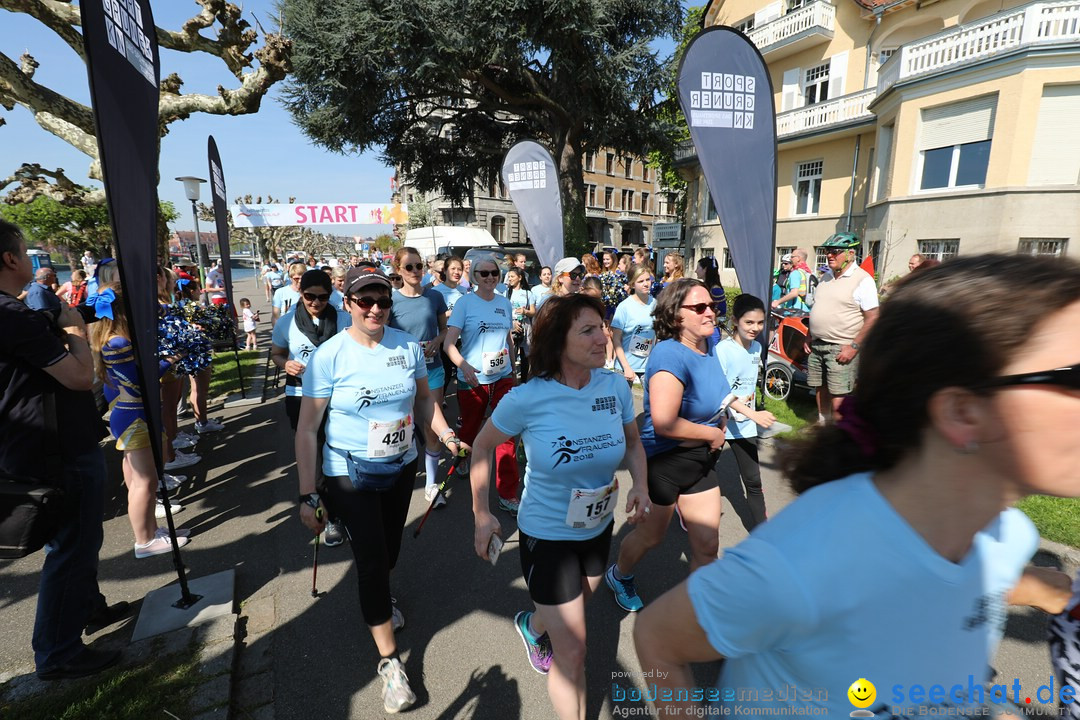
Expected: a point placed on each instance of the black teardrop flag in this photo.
(221, 216)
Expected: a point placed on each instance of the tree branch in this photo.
(60, 17)
(16, 86)
(233, 38)
(33, 183)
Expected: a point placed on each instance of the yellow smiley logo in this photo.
(862, 693)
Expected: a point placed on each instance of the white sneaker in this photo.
(159, 511)
(186, 436)
(397, 695)
(431, 492)
(173, 481)
(183, 460)
(211, 425)
(164, 532)
(158, 546)
(183, 443)
(397, 619)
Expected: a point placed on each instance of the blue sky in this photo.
(262, 154)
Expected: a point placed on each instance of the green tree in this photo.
(420, 214)
(446, 86)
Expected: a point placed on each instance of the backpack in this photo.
(811, 288)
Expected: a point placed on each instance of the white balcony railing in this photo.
(822, 116)
(1041, 23)
(629, 215)
(819, 14)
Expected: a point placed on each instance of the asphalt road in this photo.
(461, 652)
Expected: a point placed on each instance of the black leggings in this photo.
(374, 521)
(746, 455)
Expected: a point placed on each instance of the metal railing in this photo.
(1034, 24)
(817, 14)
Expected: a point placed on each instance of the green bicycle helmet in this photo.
(845, 240)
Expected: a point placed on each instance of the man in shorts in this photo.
(845, 307)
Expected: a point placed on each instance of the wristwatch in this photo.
(854, 346)
(311, 500)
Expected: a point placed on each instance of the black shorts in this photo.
(292, 409)
(553, 569)
(680, 471)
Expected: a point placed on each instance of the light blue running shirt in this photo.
(638, 337)
(450, 294)
(419, 316)
(519, 300)
(287, 335)
(574, 440)
(485, 327)
(284, 299)
(741, 370)
(371, 393)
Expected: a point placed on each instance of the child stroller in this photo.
(787, 355)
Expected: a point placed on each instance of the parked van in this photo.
(448, 239)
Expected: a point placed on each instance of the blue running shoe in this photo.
(625, 591)
(540, 651)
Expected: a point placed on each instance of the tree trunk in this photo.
(572, 192)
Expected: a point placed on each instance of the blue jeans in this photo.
(69, 592)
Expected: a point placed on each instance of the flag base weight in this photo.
(212, 597)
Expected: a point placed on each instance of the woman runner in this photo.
(568, 504)
(632, 326)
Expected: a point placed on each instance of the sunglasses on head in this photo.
(413, 267)
(1065, 377)
(487, 273)
(366, 302)
(700, 308)
(312, 297)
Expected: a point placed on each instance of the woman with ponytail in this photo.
(898, 558)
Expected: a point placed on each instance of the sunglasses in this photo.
(312, 297)
(487, 273)
(1065, 377)
(413, 267)
(576, 274)
(700, 308)
(835, 251)
(395, 278)
(366, 302)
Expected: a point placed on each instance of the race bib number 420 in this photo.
(589, 508)
(495, 362)
(389, 438)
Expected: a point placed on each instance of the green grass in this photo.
(225, 381)
(132, 693)
(798, 411)
(1058, 519)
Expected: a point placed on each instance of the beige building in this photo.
(623, 201)
(931, 126)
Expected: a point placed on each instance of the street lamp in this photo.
(191, 191)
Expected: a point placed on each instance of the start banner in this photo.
(284, 214)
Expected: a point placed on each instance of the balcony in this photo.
(685, 154)
(788, 34)
(629, 216)
(595, 212)
(1031, 26)
(826, 116)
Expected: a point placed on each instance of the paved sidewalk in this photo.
(302, 658)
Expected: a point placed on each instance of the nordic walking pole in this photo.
(315, 566)
(438, 492)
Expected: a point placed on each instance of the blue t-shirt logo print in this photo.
(564, 450)
(364, 398)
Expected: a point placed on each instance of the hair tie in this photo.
(102, 303)
(856, 426)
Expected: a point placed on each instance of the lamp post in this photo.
(191, 191)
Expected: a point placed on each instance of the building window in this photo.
(590, 161)
(939, 249)
(816, 84)
(745, 26)
(954, 141)
(729, 264)
(628, 167)
(781, 252)
(875, 254)
(884, 54)
(644, 172)
(590, 198)
(645, 202)
(808, 187)
(1043, 246)
(610, 164)
(820, 258)
(498, 229)
(627, 200)
(794, 5)
(608, 193)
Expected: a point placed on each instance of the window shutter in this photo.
(791, 98)
(1055, 157)
(767, 13)
(963, 122)
(837, 72)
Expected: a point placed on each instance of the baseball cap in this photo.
(786, 257)
(567, 265)
(362, 277)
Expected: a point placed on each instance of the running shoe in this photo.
(187, 437)
(397, 695)
(539, 652)
(173, 481)
(211, 425)
(625, 591)
(158, 546)
(510, 505)
(183, 443)
(159, 511)
(431, 492)
(183, 460)
(332, 536)
(397, 618)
